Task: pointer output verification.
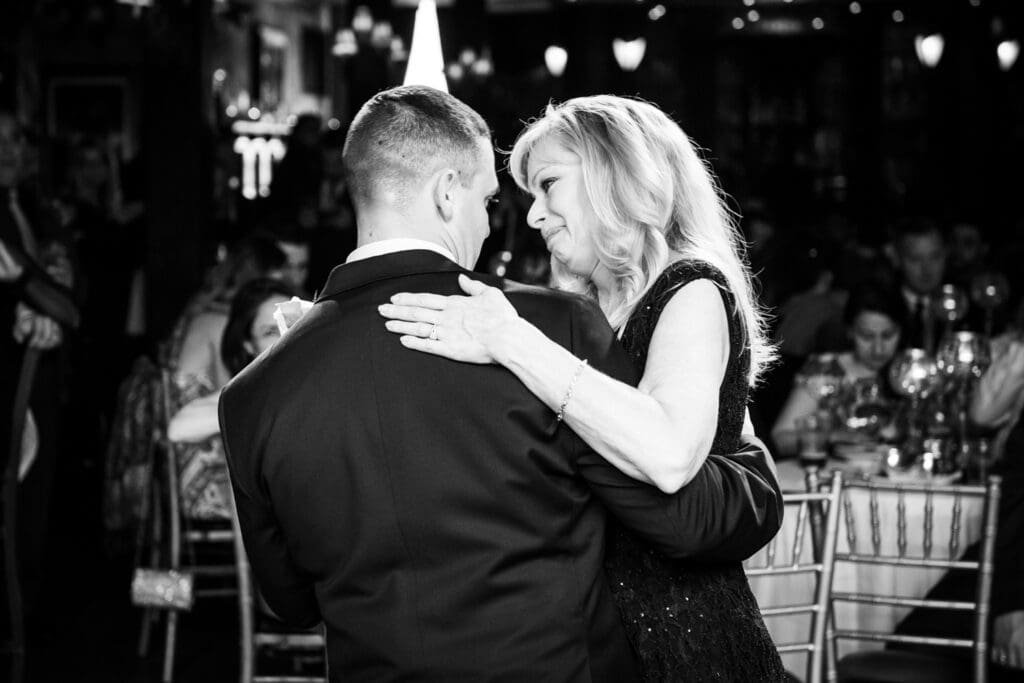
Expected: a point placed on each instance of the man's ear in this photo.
(250, 347)
(444, 192)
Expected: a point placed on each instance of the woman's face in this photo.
(264, 333)
(875, 338)
(561, 210)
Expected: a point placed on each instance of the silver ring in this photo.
(433, 332)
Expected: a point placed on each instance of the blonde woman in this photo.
(633, 217)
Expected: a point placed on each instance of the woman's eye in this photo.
(546, 184)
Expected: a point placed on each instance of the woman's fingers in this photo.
(409, 313)
(471, 286)
(415, 329)
(425, 345)
(435, 302)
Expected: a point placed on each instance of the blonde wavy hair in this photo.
(656, 201)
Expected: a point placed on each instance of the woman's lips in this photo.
(548, 233)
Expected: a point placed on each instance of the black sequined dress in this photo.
(688, 621)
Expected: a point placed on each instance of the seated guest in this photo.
(191, 359)
(872, 316)
(250, 330)
(920, 259)
(192, 353)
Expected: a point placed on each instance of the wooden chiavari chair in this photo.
(816, 512)
(876, 549)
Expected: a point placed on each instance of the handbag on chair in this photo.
(162, 588)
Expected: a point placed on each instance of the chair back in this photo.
(804, 547)
(882, 530)
(255, 638)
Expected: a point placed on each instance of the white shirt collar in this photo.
(391, 246)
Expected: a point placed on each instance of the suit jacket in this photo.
(434, 514)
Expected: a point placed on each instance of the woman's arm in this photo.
(660, 432)
(200, 350)
(37, 288)
(1000, 388)
(196, 421)
(799, 403)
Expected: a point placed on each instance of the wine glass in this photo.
(869, 410)
(962, 356)
(913, 373)
(822, 375)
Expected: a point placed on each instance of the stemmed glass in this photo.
(822, 376)
(962, 358)
(914, 375)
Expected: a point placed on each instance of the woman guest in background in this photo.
(192, 352)
(872, 316)
(632, 217)
(250, 330)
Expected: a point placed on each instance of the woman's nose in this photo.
(535, 217)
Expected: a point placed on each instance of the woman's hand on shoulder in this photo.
(473, 329)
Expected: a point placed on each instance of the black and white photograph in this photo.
(501, 341)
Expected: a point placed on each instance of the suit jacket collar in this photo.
(385, 267)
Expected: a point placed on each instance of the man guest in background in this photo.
(920, 258)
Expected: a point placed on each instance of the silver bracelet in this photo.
(572, 385)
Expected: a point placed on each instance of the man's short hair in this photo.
(403, 135)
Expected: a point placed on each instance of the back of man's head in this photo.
(401, 136)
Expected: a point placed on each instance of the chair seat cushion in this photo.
(882, 666)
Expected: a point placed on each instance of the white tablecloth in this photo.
(906, 582)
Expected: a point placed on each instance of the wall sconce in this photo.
(629, 53)
(381, 34)
(136, 6)
(929, 49)
(362, 20)
(555, 58)
(483, 66)
(471, 64)
(455, 71)
(1007, 51)
(345, 44)
(398, 53)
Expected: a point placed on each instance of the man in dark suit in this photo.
(920, 257)
(436, 516)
